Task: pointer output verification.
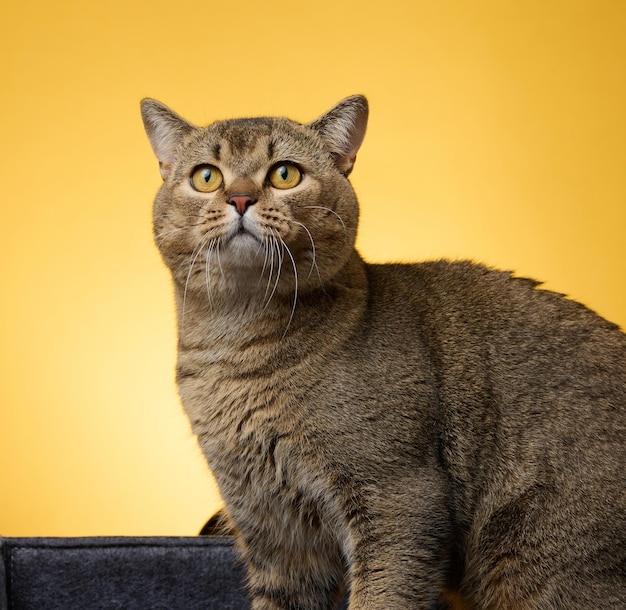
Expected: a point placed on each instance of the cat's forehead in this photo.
(258, 140)
(243, 135)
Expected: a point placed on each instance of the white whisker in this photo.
(320, 207)
(314, 261)
(295, 277)
(207, 271)
(275, 250)
(194, 256)
(217, 253)
(264, 243)
(159, 237)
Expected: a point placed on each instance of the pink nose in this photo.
(241, 201)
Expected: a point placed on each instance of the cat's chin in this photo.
(243, 249)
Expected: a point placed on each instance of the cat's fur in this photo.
(396, 429)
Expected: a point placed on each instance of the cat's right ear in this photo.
(165, 130)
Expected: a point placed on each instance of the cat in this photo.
(400, 432)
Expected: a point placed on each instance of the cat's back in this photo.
(462, 307)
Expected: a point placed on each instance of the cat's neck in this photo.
(233, 319)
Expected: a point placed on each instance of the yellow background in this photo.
(497, 132)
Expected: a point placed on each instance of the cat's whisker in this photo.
(321, 207)
(264, 245)
(275, 249)
(207, 271)
(270, 250)
(166, 216)
(313, 261)
(160, 237)
(295, 279)
(217, 255)
(194, 256)
(274, 266)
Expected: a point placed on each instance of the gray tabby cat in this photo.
(396, 430)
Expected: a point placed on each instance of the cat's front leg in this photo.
(294, 570)
(398, 558)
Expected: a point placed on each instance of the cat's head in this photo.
(256, 204)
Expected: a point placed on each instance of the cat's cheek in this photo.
(311, 193)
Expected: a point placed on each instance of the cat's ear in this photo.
(165, 130)
(343, 128)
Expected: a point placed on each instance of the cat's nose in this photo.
(242, 201)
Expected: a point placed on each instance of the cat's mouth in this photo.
(242, 237)
(243, 233)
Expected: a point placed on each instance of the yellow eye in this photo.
(206, 178)
(284, 176)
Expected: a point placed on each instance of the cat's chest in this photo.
(239, 412)
(256, 436)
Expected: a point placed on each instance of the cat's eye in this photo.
(206, 178)
(284, 175)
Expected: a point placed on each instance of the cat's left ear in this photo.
(165, 130)
(343, 128)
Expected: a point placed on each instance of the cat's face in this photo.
(256, 204)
